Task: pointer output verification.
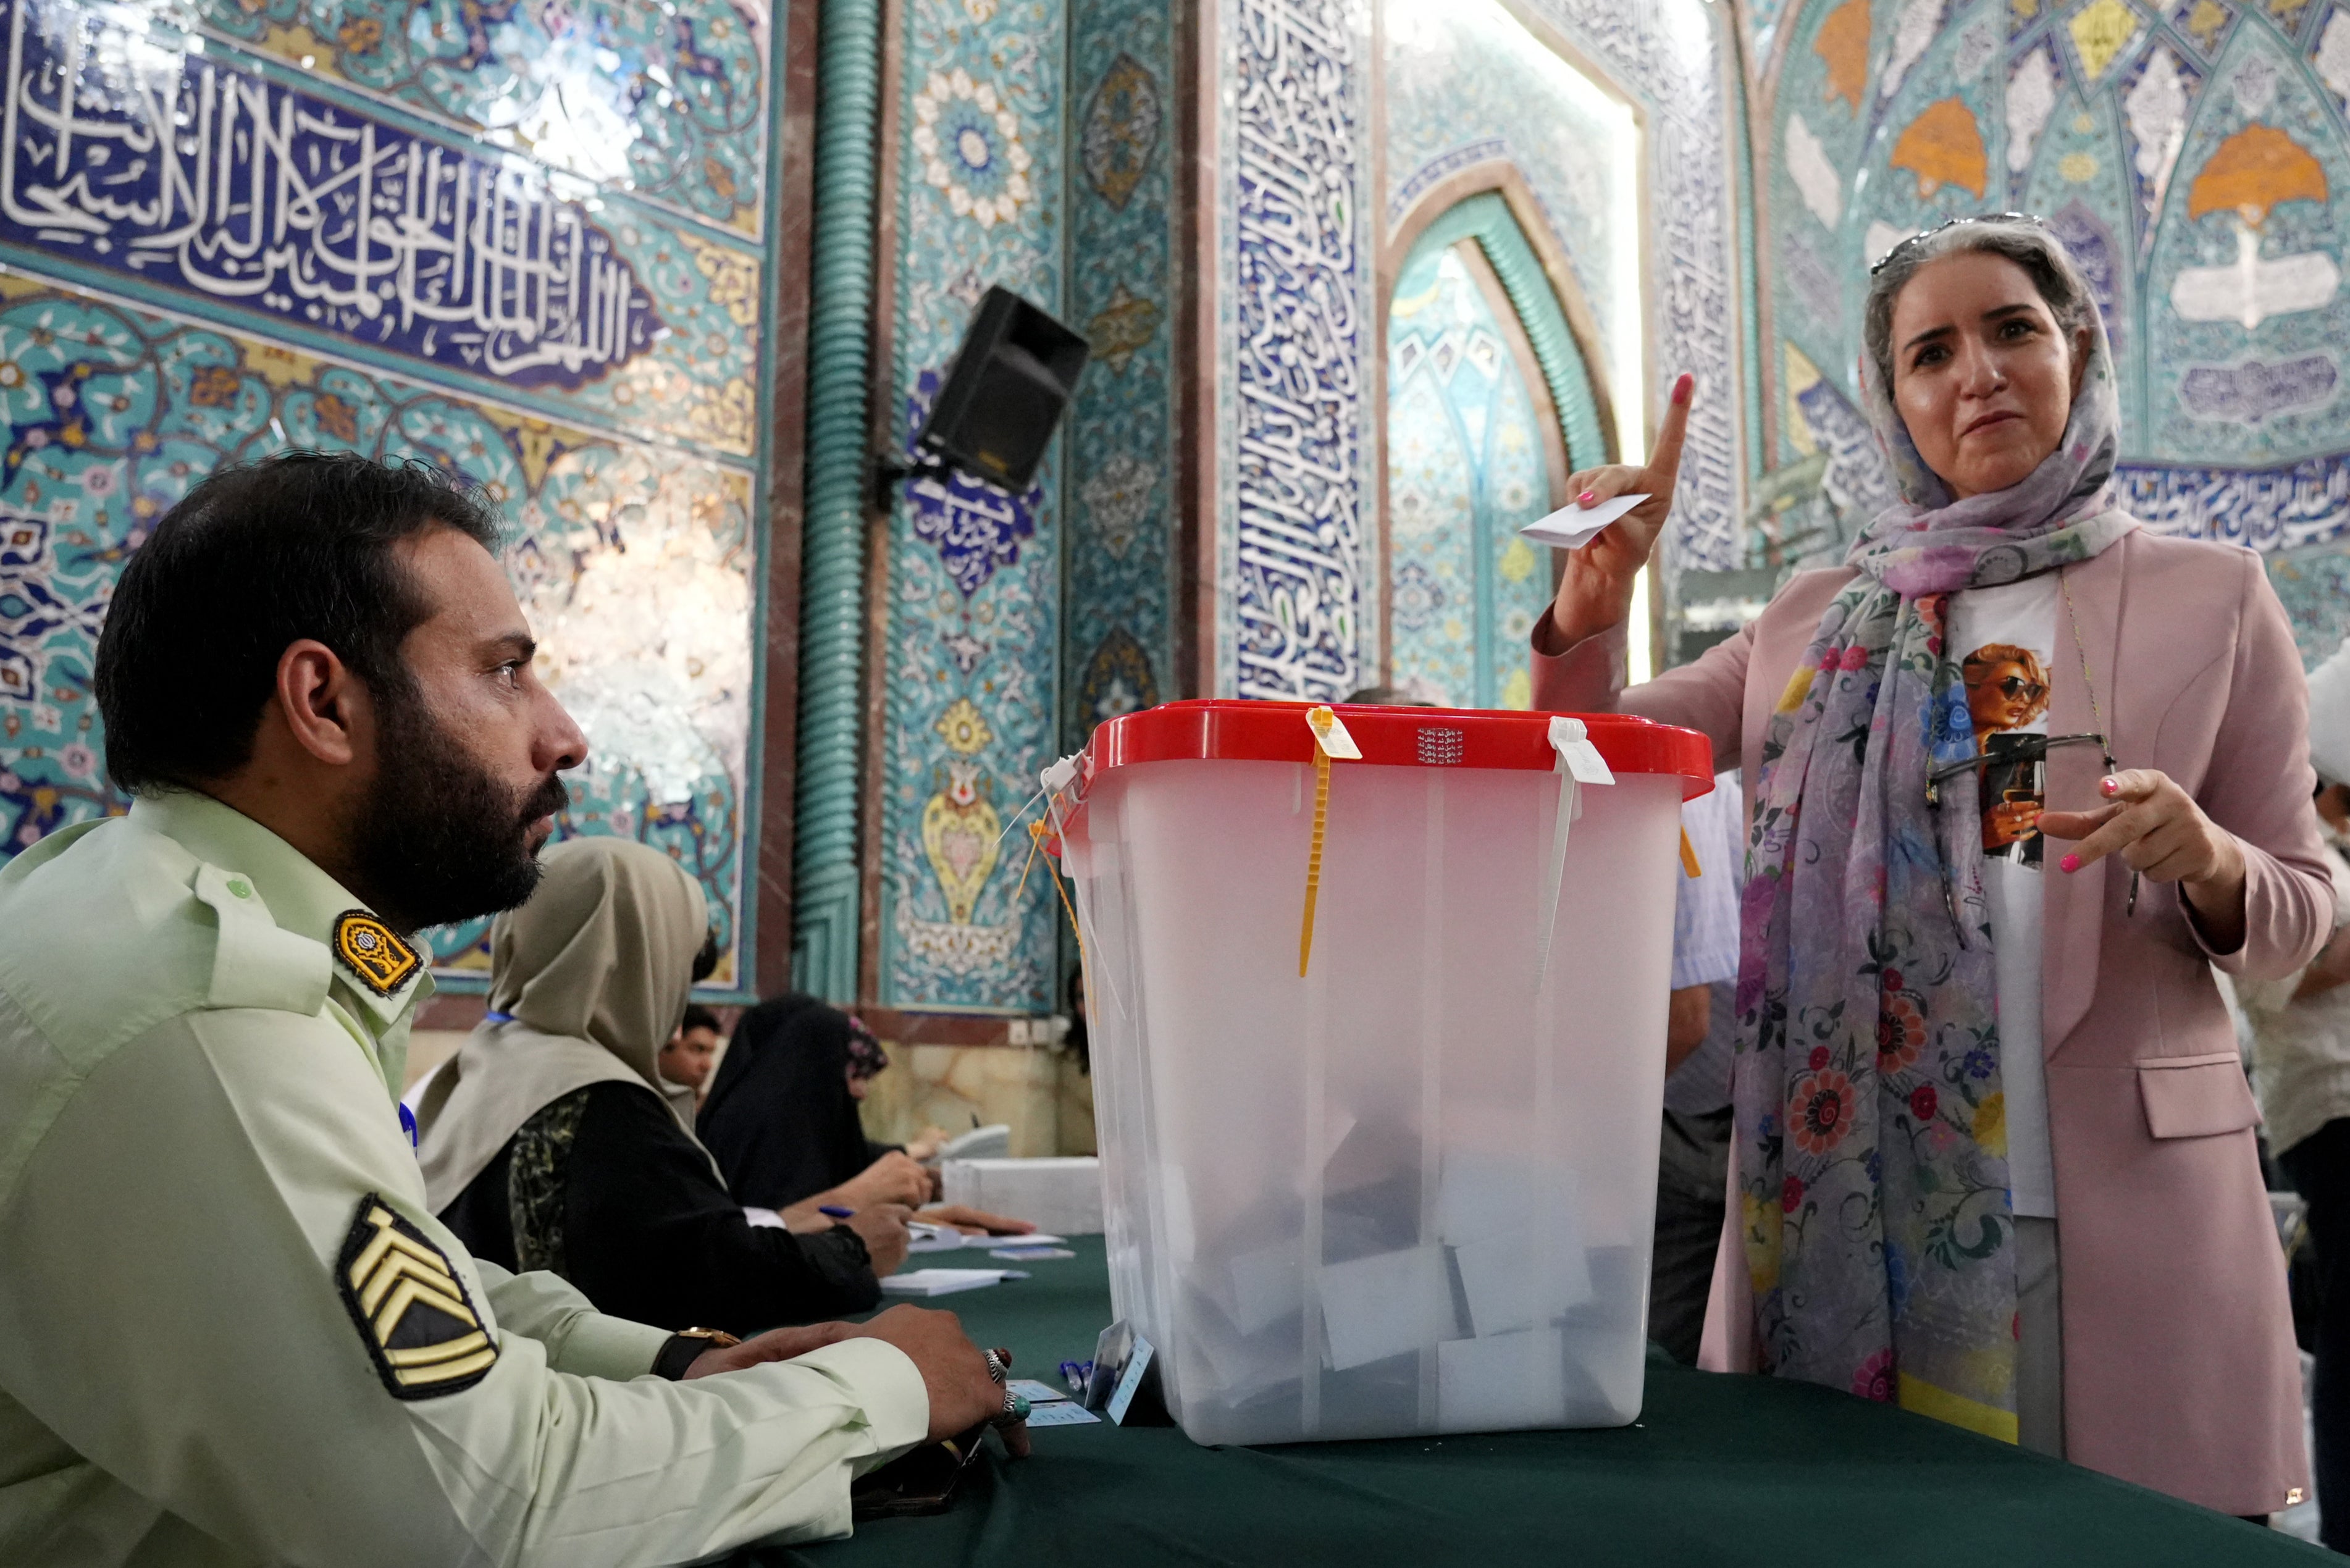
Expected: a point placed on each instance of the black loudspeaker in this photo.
(1004, 392)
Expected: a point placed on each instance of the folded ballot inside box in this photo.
(1063, 1196)
(1514, 1229)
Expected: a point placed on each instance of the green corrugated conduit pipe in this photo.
(832, 557)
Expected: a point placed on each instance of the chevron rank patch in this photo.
(411, 1307)
(367, 946)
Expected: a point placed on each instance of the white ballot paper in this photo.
(945, 1281)
(1571, 526)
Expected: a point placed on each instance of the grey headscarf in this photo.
(591, 976)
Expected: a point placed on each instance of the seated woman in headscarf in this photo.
(781, 1120)
(549, 1141)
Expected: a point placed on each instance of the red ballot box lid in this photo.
(1266, 731)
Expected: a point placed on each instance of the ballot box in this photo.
(1377, 999)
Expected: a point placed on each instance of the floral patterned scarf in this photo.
(1871, 1128)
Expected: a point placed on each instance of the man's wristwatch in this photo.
(684, 1347)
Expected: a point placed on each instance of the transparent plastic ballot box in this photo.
(1388, 1168)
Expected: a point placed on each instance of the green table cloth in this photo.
(1719, 1470)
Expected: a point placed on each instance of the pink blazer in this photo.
(2179, 1367)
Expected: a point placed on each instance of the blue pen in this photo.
(836, 1210)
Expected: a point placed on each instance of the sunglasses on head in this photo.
(1922, 235)
(2024, 749)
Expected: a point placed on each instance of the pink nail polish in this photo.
(1684, 387)
(1585, 498)
(2070, 863)
(2111, 786)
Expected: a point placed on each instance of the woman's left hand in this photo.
(2159, 831)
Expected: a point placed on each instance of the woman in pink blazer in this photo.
(2018, 776)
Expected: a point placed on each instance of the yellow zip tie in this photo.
(1036, 842)
(1688, 856)
(1314, 860)
(1035, 845)
(1330, 740)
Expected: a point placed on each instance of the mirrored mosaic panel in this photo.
(636, 565)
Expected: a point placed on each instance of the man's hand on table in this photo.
(955, 1371)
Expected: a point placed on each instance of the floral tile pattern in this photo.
(970, 661)
(1017, 623)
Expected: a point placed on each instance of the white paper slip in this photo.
(943, 1281)
(1063, 1414)
(1035, 1392)
(1570, 527)
(922, 1238)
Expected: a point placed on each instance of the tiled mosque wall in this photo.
(1035, 150)
(524, 243)
(2192, 154)
(1036, 145)
(1300, 213)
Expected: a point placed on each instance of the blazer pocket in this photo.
(2195, 1097)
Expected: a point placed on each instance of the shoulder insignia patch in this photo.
(411, 1307)
(367, 946)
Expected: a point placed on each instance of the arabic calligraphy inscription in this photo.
(207, 180)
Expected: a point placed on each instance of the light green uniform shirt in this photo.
(196, 1112)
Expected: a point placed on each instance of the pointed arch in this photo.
(1491, 203)
(1490, 405)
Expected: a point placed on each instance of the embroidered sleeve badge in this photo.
(367, 946)
(411, 1307)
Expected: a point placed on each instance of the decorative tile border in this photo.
(1119, 644)
(1296, 617)
(1669, 57)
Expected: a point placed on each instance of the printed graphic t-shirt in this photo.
(2006, 641)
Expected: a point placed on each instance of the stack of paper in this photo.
(928, 1238)
(922, 1238)
(945, 1281)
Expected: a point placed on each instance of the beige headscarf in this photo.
(594, 972)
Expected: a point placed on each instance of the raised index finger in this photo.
(1665, 457)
